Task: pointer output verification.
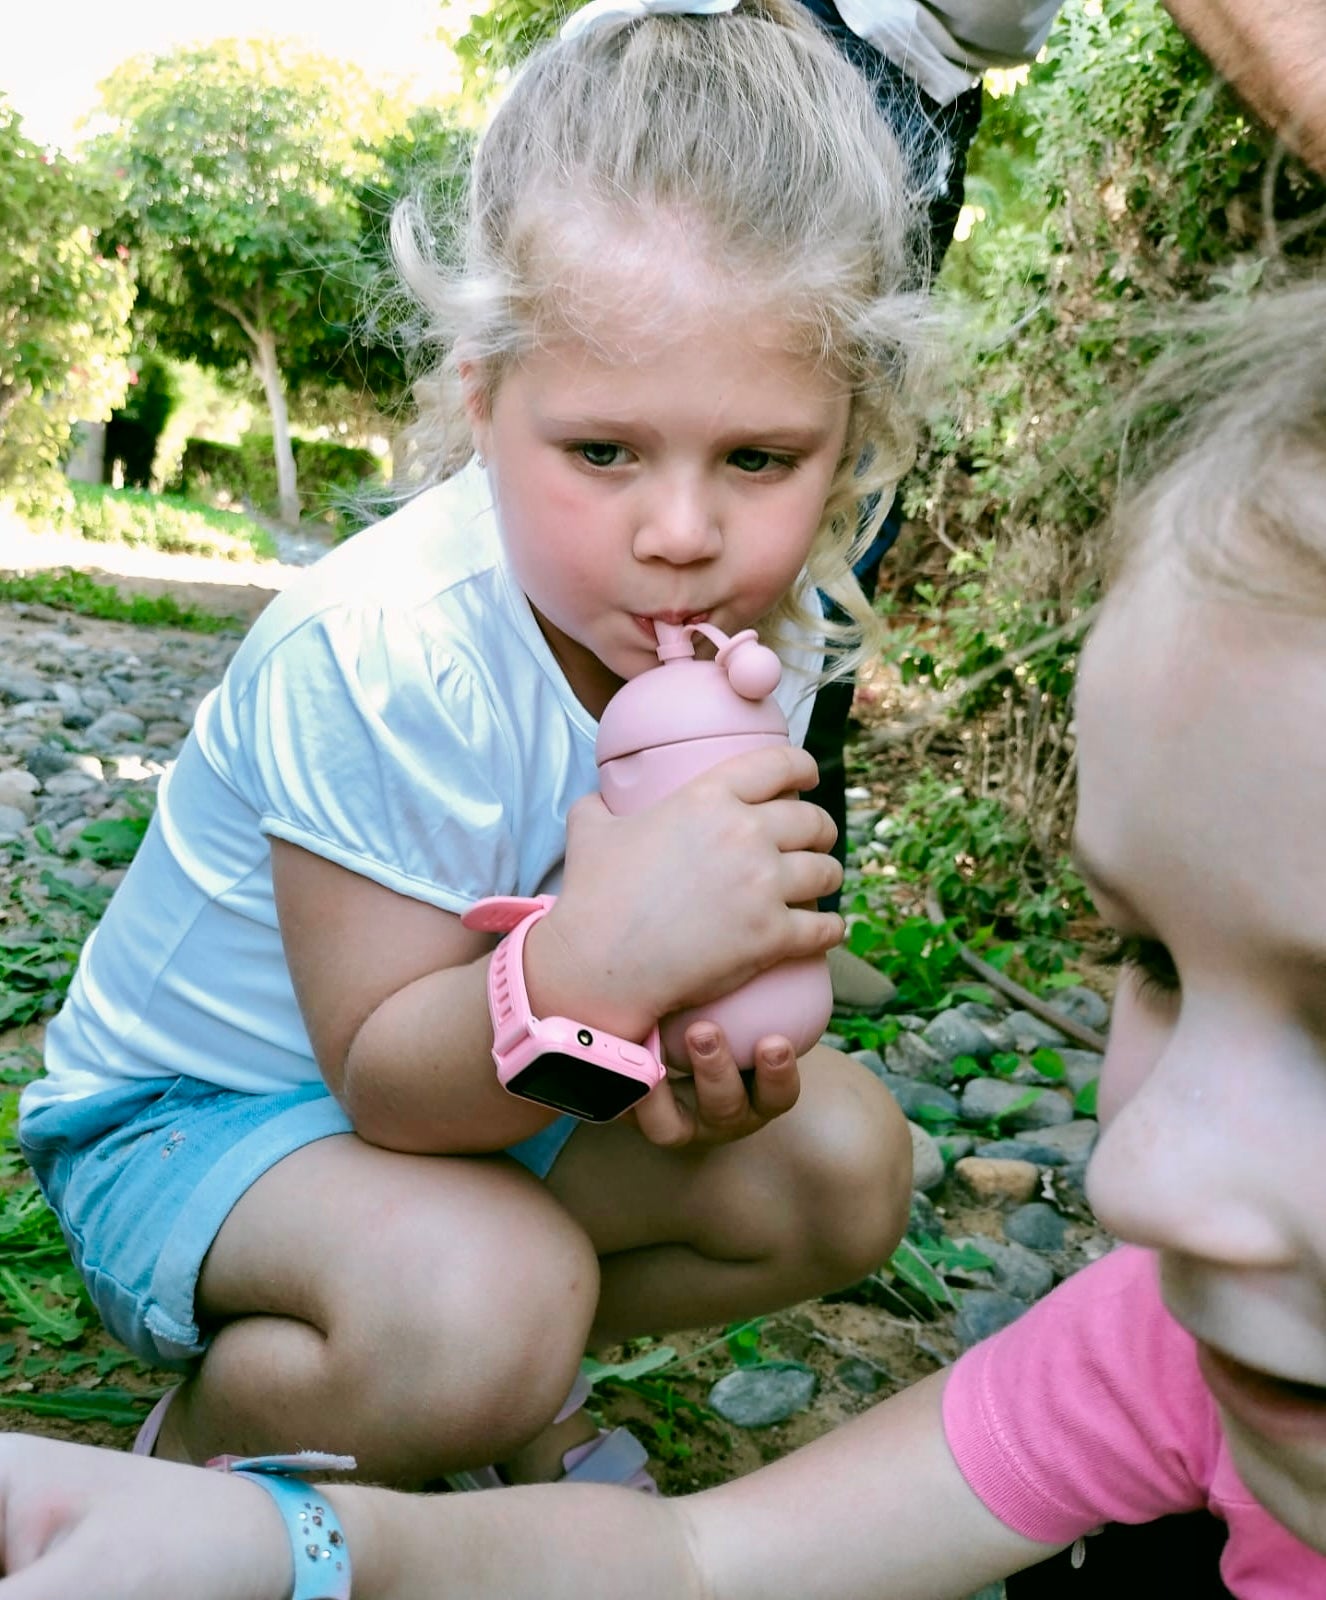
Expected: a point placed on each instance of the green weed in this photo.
(66, 589)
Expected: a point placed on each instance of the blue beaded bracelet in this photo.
(317, 1540)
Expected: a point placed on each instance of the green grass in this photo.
(169, 523)
(67, 589)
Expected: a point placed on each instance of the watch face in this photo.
(579, 1087)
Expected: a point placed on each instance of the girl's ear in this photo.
(478, 401)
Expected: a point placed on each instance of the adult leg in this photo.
(420, 1313)
(687, 1238)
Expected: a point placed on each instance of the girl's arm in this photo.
(874, 1509)
(672, 906)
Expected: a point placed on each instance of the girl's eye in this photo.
(599, 453)
(1149, 961)
(757, 460)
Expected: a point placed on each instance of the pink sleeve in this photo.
(1088, 1409)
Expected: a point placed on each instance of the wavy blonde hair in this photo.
(751, 132)
(1233, 479)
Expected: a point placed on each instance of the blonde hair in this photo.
(1232, 450)
(752, 133)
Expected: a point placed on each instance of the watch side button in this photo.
(636, 1054)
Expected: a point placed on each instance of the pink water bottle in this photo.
(666, 727)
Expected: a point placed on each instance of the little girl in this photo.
(1188, 1368)
(270, 1122)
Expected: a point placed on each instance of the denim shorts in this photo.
(143, 1175)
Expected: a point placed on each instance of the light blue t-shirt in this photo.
(397, 711)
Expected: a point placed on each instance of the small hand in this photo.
(719, 1104)
(80, 1521)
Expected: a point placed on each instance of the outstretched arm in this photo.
(1274, 54)
(877, 1507)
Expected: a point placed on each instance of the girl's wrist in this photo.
(562, 982)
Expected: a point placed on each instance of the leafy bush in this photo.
(1122, 175)
(332, 477)
(64, 311)
(132, 516)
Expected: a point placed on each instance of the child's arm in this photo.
(668, 907)
(875, 1509)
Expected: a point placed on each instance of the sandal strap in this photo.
(616, 1457)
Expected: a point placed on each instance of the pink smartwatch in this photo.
(554, 1061)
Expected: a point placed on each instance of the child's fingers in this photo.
(759, 775)
(662, 1118)
(806, 876)
(722, 1101)
(776, 1081)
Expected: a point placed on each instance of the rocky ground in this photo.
(91, 715)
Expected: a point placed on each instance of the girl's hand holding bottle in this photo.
(686, 900)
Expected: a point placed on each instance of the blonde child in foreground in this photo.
(271, 1124)
(1189, 1372)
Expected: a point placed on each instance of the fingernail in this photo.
(779, 1056)
(705, 1044)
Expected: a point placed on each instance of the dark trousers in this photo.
(934, 139)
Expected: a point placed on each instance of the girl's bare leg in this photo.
(420, 1313)
(691, 1237)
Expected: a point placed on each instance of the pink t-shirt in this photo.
(1091, 1409)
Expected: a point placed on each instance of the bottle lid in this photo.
(688, 699)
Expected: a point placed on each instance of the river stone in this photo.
(1081, 1067)
(859, 1376)
(985, 1098)
(997, 1181)
(927, 1160)
(911, 1057)
(1043, 1155)
(758, 1397)
(983, 1312)
(1085, 1006)
(1076, 1139)
(1031, 1034)
(953, 1035)
(1013, 1268)
(1038, 1226)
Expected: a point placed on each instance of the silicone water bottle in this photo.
(667, 726)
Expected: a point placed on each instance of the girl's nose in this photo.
(1192, 1161)
(679, 524)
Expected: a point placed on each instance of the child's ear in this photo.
(477, 395)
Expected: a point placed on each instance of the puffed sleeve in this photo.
(368, 742)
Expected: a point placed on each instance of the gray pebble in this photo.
(984, 1098)
(983, 1312)
(1084, 1006)
(1031, 1034)
(758, 1397)
(859, 1376)
(911, 1057)
(1036, 1225)
(928, 1170)
(951, 1034)
(1043, 1155)
(1013, 1268)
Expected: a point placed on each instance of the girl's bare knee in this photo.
(853, 1173)
(464, 1372)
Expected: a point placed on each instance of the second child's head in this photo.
(1201, 826)
(680, 329)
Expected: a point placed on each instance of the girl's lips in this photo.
(1275, 1408)
(677, 618)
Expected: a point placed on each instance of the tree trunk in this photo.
(269, 375)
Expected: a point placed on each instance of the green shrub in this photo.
(134, 517)
(332, 477)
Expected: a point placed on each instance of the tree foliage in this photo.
(239, 168)
(1123, 177)
(498, 38)
(63, 310)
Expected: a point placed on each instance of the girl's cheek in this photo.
(1139, 1031)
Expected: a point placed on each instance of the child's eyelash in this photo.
(1148, 959)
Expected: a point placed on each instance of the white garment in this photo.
(396, 711)
(946, 44)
